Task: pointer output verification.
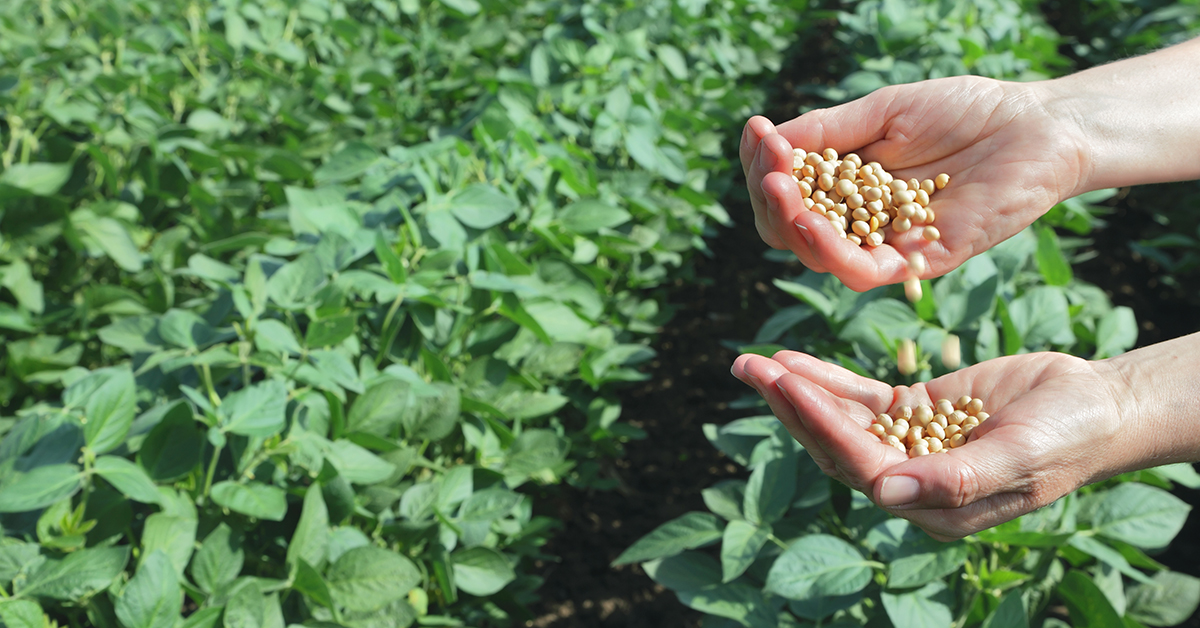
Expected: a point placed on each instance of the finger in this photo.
(952, 524)
(773, 157)
(784, 203)
(756, 128)
(959, 478)
(858, 455)
(765, 372)
(844, 128)
(840, 382)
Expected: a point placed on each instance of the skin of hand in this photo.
(1012, 150)
(1057, 423)
(1010, 160)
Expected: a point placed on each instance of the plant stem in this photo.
(212, 468)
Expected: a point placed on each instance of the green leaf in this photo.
(481, 571)
(350, 162)
(173, 447)
(818, 565)
(15, 557)
(204, 618)
(466, 7)
(39, 487)
(80, 574)
(1042, 316)
(740, 545)
(687, 571)
(1055, 268)
(482, 206)
(380, 408)
(219, 560)
(1086, 603)
(152, 599)
(369, 578)
(436, 414)
(692, 530)
(110, 410)
(329, 331)
(590, 216)
(113, 238)
(174, 535)
(1009, 614)
(22, 614)
(1116, 333)
(888, 318)
(770, 490)
(18, 278)
(927, 607)
(245, 609)
(725, 498)
(310, 541)
(1169, 600)
(317, 212)
(295, 282)
(357, 464)
(258, 410)
(1106, 554)
(1141, 515)
(254, 499)
(917, 569)
(735, 600)
(127, 477)
(275, 336)
(38, 179)
(813, 297)
(184, 329)
(310, 583)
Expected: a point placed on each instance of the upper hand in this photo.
(1009, 159)
(1056, 424)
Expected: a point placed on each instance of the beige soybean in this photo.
(922, 429)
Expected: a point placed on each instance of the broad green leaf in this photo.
(18, 278)
(673, 60)
(110, 410)
(79, 574)
(466, 7)
(15, 556)
(927, 607)
(770, 489)
(821, 607)
(175, 536)
(481, 571)
(695, 529)
(295, 282)
(310, 541)
(740, 545)
(1116, 333)
(818, 565)
(135, 334)
(1042, 316)
(380, 408)
(253, 498)
(917, 569)
(1169, 600)
(113, 238)
(738, 601)
(966, 294)
(274, 336)
(436, 413)
(309, 582)
(219, 560)
(352, 161)
(1180, 473)
(38, 179)
(687, 571)
(204, 618)
(813, 297)
(173, 447)
(590, 216)
(153, 597)
(22, 614)
(368, 578)
(482, 206)
(127, 477)
(888, 318)
(329, 331)
(1055, 268)
(1010, 613)
(321, 211)
(1086, 602)
(1106, 554)
(1141, 515)
(357, 464)
(259, 410)
(245, 609)
(39, 487)
(725, 498)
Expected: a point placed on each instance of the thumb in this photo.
(958, 478)
(844, 128)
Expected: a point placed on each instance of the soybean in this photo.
(922, 430)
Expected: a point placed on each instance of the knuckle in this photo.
(965, 486)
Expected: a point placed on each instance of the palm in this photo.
(1008, 160)
(1050, 413)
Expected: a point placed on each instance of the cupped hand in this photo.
(1056, 423)
(1009, 159)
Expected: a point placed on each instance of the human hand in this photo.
(1009, 159)
(1057, 423)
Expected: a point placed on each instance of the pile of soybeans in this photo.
(925, 430)
(861, 199)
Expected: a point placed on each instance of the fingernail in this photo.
(899, 490)
(805, 233)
